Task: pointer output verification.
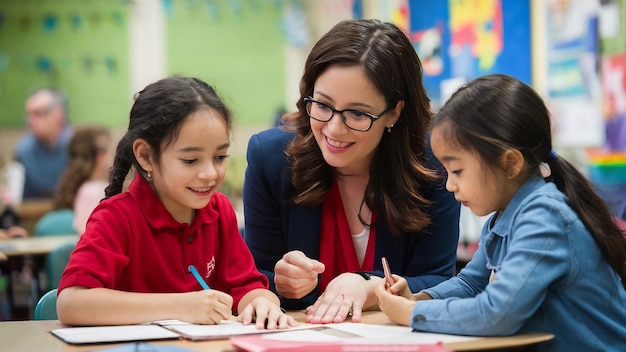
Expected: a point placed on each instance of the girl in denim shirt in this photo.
(550, 258)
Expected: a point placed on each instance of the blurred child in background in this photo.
(82, 184)
(8, 215)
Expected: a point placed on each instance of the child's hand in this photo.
(16, 231)
(397, 308)
(208, 307)
(401, 288)
(266, 315)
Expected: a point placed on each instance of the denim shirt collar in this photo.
(503, 224)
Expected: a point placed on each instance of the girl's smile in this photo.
(202, 191)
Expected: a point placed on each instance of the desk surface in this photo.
(34, 245)
(33, 209)
(32, 335)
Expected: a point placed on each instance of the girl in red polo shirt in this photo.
(134, 262)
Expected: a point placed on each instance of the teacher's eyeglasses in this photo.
(354, 119)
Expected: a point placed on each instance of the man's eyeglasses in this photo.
(354, 119)
(40, 112)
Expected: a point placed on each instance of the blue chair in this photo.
(46, 308)
(56, 261)
(56, 222)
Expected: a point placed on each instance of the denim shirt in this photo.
(548, 275)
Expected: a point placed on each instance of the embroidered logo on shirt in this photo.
(210, 267)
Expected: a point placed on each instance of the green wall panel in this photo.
(236, 46)
(616, 44)
(77, 46)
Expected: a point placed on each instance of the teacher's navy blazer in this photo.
(274, 227)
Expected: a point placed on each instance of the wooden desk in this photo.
(34, 245)
(33, 209)
(31, 246)
(31, 335)
(30, 211)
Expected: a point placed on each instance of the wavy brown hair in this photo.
(497, 112)
(398, 172)
(83, 150)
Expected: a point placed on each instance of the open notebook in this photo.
(157, 330)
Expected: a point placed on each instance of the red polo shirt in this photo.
(132, 243)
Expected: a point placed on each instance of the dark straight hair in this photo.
(156, 116)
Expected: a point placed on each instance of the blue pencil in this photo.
(196, 274)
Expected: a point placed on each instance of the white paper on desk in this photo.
(367, 334)
(6, 246)
(100, 334)
(223, 330)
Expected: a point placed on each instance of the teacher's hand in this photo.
(295, 275)
(345, 296)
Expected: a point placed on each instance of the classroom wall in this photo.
(83, 47)
(80, 47)
(101, 52)
(235, 46)
(251, 50)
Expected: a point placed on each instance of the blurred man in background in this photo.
(43, 150)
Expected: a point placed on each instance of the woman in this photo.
(349, 178)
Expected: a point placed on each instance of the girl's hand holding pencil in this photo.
(395, 298)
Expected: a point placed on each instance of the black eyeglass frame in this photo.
(372, 117)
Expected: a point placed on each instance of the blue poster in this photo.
(469, 38)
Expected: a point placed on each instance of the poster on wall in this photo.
(614, 88)
(573, 82)
(458, 40)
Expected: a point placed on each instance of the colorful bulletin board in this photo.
(79, 47)
(236, 46)
(612, 29)
(573, 93)
(613, 61)
(470, 38)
